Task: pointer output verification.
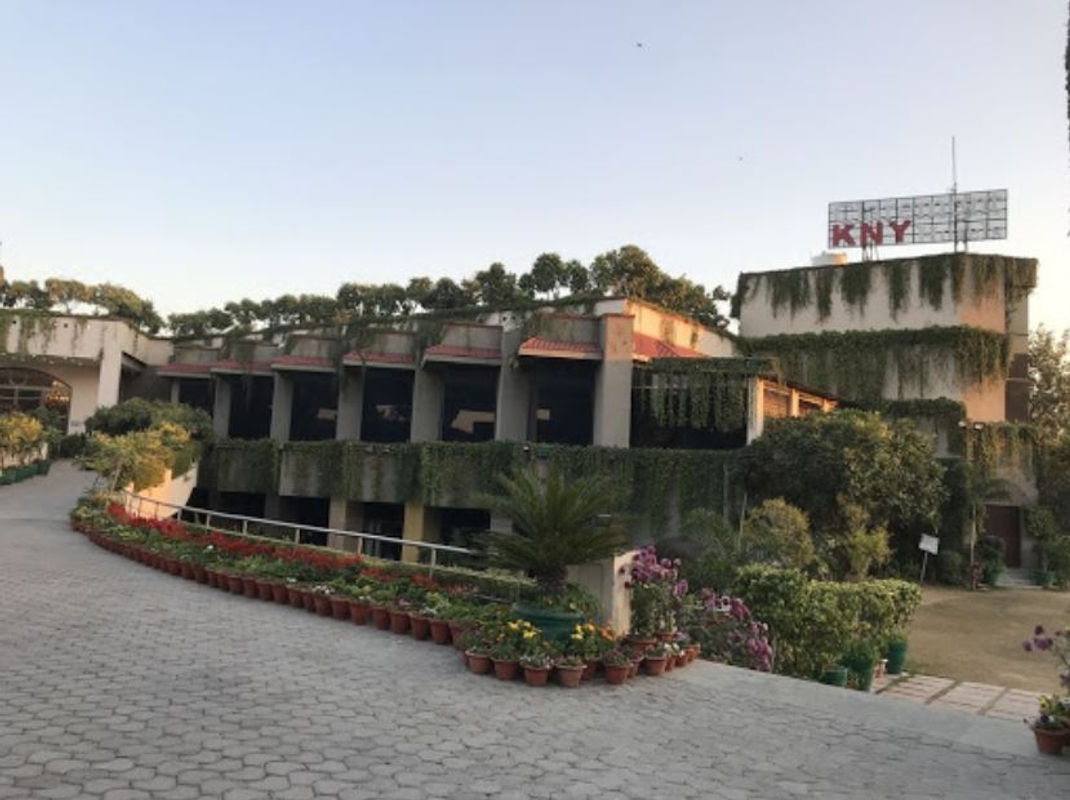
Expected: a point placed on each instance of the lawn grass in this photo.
(977, 636)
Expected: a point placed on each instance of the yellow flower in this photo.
(576, 636)
(513, 626)
(529, 634)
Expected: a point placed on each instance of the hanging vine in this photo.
(791, 289)
(697, 393)
(856, 364)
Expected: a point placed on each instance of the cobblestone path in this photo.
(118, 682)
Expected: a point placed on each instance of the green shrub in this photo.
(951, 568)
(814, 623)
(776, 532)
(71, 445)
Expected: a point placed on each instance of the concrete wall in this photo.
(679, 331)
(758, 318)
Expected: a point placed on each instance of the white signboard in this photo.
(930, 544)
(923, 219)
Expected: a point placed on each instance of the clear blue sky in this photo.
(203, 151)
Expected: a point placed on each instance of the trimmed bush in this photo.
(814, 623)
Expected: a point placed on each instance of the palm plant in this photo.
(556, 523)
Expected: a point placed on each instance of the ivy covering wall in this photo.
(856, 365)
(697, 393)
(652, 483)
(29, 323)
(932, 280)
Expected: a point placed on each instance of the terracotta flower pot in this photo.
(536, 676)
(478, 663)
(399, 621)
(505, 670)
(1051, 743)
(308, 600)
(279, 593)
(692, 652)
(210, 577)
(187, 570)
(358, 612)
(295, 596)
(457, 630)
(681, 660)
(440, 631)
(251, 586)
(323, 605)
(569, 677)
(264, 590)
(616, 675)
(200, 574)
(590, 669)
(666, 636)
(420, 626)
(236, 584)
(654, 666)
(381, 617)
(340, 608)
(640, 644)
(633, 670)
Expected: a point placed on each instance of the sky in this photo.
(199, 152)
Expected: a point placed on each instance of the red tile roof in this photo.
(549, 347)
(315, 362)
(232, 365)
(203, 368)
(456, 351)
(645, 347)
(356, 357)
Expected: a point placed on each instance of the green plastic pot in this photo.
(555, 625)
(43, 467)
(1046, 578)
(897, 657)
(24, 472)
(834, 676)
(863, 679)
(7, 477)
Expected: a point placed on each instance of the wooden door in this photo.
(1005, 522)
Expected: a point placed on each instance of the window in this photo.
(565, 410)
(777, 404)
(387, 411)
(314, 407)
(470, 398)
(250, 406)
(27, 390)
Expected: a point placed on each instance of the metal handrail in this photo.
(245, 521)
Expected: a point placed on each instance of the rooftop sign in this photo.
(923, 219)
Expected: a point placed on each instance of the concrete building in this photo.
(942, 339)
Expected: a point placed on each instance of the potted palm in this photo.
(556, 523)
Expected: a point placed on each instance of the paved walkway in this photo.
(985, 699)
(119, 682)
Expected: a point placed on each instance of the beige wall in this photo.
(679, 331)
(757, 317)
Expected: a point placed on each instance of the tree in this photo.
(834, 465)
(493, 286)
(628, 271)
(556, 523)
(777, 533)
(140, 458)
(1049, 374)
(547, 276)
(446, 295)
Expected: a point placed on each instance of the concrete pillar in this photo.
(282, 401)
(221, 407)
(345, 515)
(1017, 388)
(175, 391)
(428, 394)
(110, 371)
(350, 405)
(606, 580)
(613, 383)
(514, 394)
(421, 525)
(755, 408)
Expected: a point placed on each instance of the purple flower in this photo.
(1027, 646)
(1038, 630)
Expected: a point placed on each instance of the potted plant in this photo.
(359, 598)
(537, 661)
(399, 615)
(476, 651)
(321, 596)
(570, 671)
(617, 665)
(505, 655)
(434, 606)
(655, 659)
(1051, 726)
(379, 600)
(896, 653)
(860, 659)
(556, 523)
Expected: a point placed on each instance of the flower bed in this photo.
(355, 590)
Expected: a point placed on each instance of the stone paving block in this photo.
(159, 687)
